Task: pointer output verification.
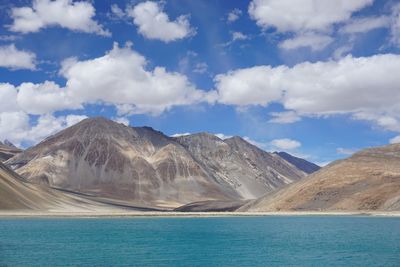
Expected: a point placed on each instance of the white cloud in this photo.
(342, 51)
(315, 41)
(117, 11)
(256, 85)
(180, 134)
(395, 140)
(395, 25)
(351, 85)
(284, 117)
(119, 78)
(8, 98)
(135, 89)
(303, 15)
(311, 21)
(222, 136)
(200, 67)
(44, 98)
(345, 151)
(11, 57)
(361, 25)
(122, 120)
(76, 16)
(238, 36)
(234, 15)
(285, 144)
(16, 127)
(154, 23)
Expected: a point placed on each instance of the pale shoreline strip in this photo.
(94, 214)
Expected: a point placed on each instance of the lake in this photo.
(214, 241)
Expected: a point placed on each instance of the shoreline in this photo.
(94, 214)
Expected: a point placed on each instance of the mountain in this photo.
(144, 167)
(302, 164)
(17, 194)
(8, 150)
(368, 180)
(251, 171)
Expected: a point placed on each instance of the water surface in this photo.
(226, 241)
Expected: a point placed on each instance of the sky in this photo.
(318, 79)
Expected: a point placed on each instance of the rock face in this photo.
(17, 194)
(147, 168)
(302, 164)
(369, 180)
(8, 150)
(251, 171)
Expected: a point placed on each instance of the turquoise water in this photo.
(228, 241)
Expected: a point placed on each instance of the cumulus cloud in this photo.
(154, 23)
(311, 21)
(16, 126)
(234, 15)
(43, 98)
(284, 117)
(251, 86)
(315, 41)
(11, 57)
(119, 78)
(134, 88)
(76, 16)
(285, 144)
(321, 88)
(303, 15)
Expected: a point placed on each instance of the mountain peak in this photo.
(302, 164)
(8, 143)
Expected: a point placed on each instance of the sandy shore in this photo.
(127, 214)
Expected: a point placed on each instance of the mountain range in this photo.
(144, 167)
(101, 164)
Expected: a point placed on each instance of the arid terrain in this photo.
(102, 167)
(368, 180)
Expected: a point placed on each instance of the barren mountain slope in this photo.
(17, 194)
(7, 151)
(369, 180)
(249, 170)
(108, 159)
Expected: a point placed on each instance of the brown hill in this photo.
(369, 180)
(17, 194)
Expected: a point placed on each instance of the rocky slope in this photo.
(7, 151)
(302, 164)
(142, 166)
(251, 171)
(17, 194)
(369, 180)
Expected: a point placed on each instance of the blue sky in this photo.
(316, 79)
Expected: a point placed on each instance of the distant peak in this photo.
(8, 143)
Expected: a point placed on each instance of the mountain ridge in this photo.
(368, 180)
(144, 166)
